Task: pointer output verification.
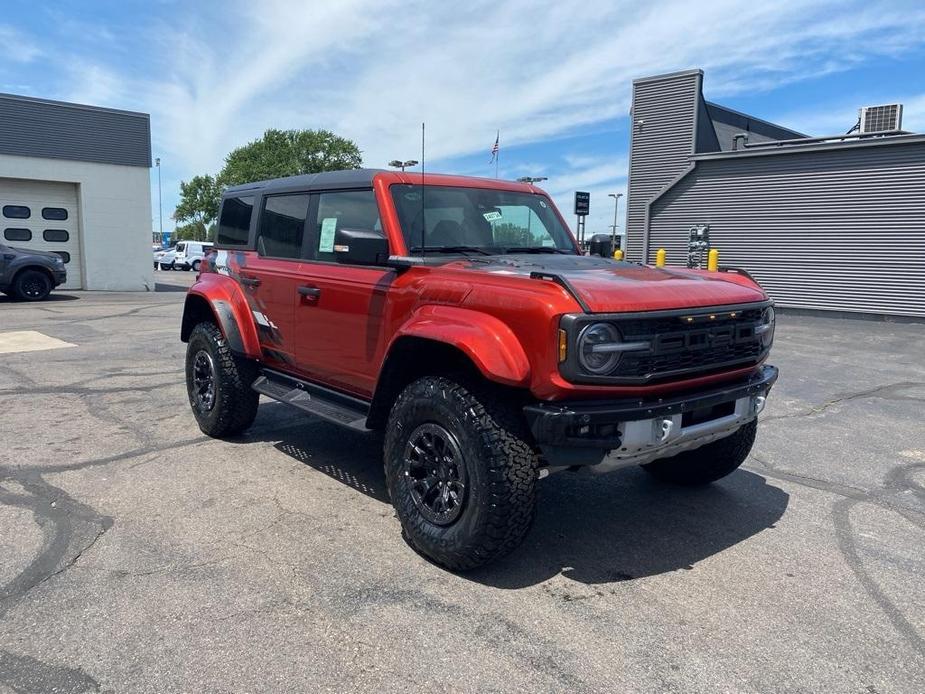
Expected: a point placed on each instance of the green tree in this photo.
(289, 153)
(194, 231)
(198, 206)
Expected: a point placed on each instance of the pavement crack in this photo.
(888, 391)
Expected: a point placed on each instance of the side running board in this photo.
(322, 402)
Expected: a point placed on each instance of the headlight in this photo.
(593, 352)
(765, 329)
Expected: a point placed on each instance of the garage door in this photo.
(42, 215)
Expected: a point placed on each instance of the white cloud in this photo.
(16, 47)
(374, 70)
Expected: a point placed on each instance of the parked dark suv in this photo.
(30, 275)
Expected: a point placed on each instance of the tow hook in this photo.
(758, 403)
(663, 429)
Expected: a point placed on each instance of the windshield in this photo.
(484, 221)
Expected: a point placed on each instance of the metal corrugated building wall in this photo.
(32, 127)
(661, 144)
(836, 226)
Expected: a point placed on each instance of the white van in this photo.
(189, 254)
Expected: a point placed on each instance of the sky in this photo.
(553, 76)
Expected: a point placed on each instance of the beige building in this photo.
(75, 180)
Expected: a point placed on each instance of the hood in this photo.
(615, 286)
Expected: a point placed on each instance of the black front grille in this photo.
(686, 343)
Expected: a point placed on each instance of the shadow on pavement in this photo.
(592, 529)
(51, 298)
(161, 287)
(625, 525)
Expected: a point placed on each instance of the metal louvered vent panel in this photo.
(879, 118)
(840, 229)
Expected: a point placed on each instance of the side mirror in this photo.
(361, 247)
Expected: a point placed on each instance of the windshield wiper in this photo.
(450, 249)
(537, 249)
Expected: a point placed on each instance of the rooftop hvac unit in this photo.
(876, 119)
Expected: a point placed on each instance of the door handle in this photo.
(250, 281)
(310, 292)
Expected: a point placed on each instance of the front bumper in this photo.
(60, 277)
(637, 425)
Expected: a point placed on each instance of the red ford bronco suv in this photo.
(458, 317)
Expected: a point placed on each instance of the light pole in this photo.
(532, 179)
(613, 236)
(160, 205)
(398, 164)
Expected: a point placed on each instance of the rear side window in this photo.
(16, 212)
(17, 234)
(234, 222)
(282, 226)
(348, 209)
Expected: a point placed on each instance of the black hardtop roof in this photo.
(348, 178)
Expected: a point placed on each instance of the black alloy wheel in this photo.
(32, 285)
(203, 382)
(436, 473)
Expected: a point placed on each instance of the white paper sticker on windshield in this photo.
(491, 216)
(326, 239)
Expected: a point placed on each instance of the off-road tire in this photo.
(235, 402)
(195, 266)
(32, 285)
(707, 463)
(501, 466)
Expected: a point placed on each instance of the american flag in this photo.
(495, 148)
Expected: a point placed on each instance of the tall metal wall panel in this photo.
(661, 144)
(840, 229)
(57, 130)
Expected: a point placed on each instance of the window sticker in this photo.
(326, 238)
(492, 216)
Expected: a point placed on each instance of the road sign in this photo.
(582, 203)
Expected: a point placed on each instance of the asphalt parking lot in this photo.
(137, 555)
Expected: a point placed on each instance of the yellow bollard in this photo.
(660, 257)
(618, 254)
(713, 260)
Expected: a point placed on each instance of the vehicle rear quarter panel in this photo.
(230, 309)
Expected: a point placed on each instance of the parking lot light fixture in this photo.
(398, 164)
(616, 202)
(160, 204)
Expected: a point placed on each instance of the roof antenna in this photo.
(423, 220)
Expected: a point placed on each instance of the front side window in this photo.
(346, 209)
(282, 226)
(234, 221)
(16, 212)
(490, 221)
